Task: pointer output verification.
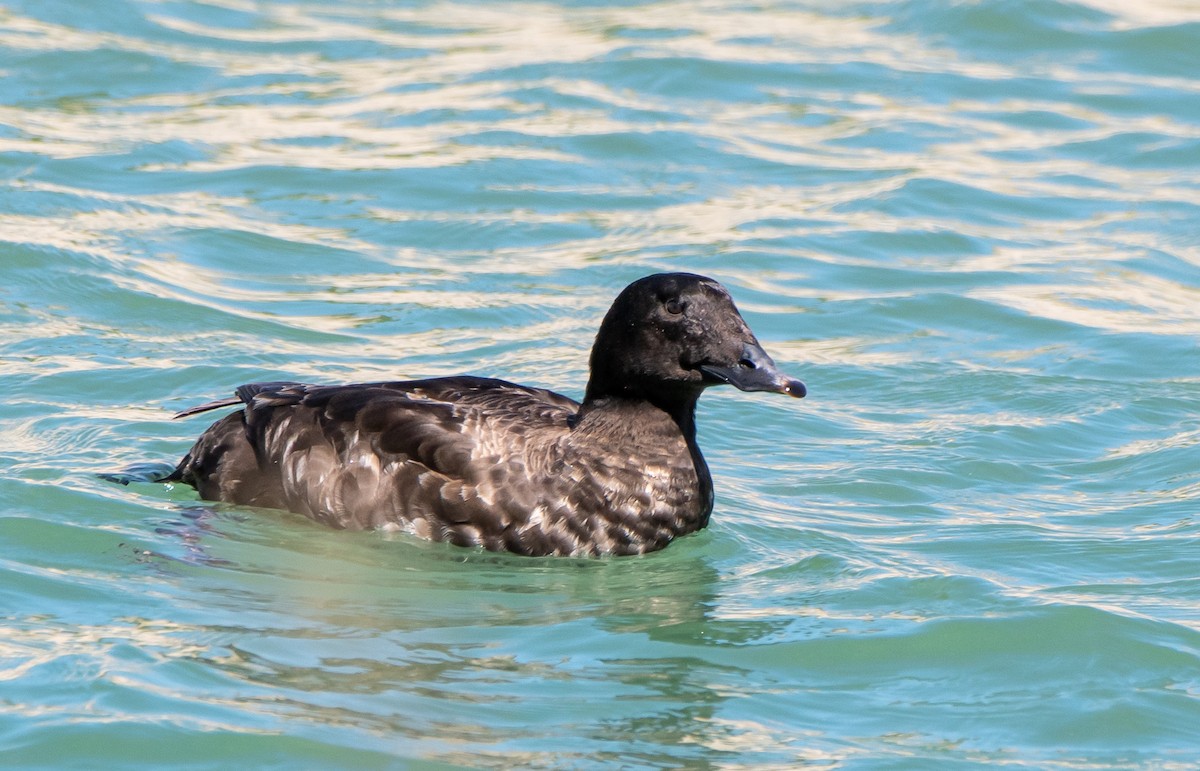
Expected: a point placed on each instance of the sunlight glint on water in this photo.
(968, 226)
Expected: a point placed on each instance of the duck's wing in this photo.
(242, 395)
(499, 398)
(445, 457)
(451, 426)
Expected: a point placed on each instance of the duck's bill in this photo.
(755, 371)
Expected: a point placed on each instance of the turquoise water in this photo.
(970, 227)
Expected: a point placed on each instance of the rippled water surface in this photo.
(971, 227)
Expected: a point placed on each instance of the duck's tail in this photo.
(143, 472)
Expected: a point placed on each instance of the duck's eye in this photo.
(673, 306)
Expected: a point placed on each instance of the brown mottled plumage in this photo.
(482, 462)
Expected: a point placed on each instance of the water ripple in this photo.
(968, 226)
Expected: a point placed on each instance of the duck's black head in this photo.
(669, 336)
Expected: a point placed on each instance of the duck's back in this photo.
(473, 461)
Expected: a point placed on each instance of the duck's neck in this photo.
(679, 407)
(645, 414)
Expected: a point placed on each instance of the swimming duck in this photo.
(487, 463)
